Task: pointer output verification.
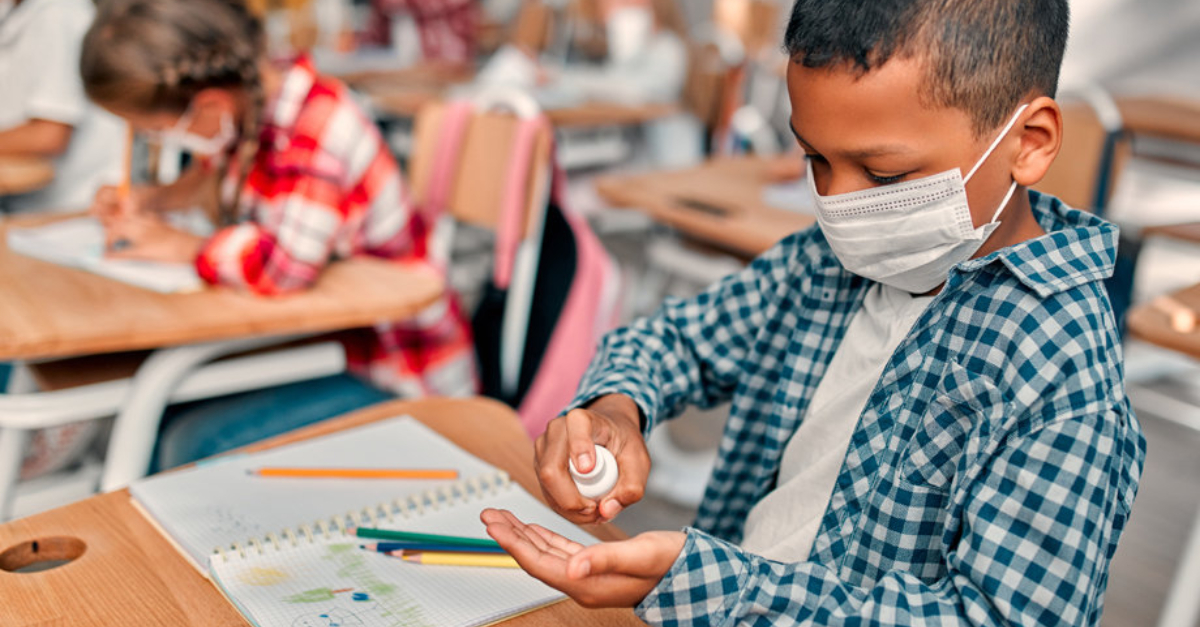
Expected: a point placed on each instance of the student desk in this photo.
(1187, 232)
(49, 312)
(405, 101)
(19, 175)
(400, 94)
(735, 216)
(1147, 323)
(130, 574)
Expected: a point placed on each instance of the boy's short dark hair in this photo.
(981, 56)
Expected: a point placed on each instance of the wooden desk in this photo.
(401, 94)
(49, 311)
(19, 175)
(130, 574)
(748, 226)
(1147, 323)
(1189, 232)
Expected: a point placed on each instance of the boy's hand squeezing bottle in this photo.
(613, 422)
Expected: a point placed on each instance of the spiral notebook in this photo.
(280, 551)
(79, 243)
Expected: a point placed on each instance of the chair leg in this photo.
(1182, 608)
(136, 426)
(12, 452)
(13, 442)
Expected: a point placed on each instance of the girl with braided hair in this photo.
(302, 177)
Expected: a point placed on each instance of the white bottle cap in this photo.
(601, 479)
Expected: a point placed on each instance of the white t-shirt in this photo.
(39, 70)
(784, 524)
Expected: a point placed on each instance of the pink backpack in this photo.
(554, 290)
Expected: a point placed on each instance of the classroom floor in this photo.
(1142, 571)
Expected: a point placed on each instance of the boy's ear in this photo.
(1041, 139)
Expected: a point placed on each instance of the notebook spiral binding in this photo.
(462, 491)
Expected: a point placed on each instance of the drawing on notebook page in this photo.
(336, 617)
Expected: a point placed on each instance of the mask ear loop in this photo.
(1012, 189)
(999, 138)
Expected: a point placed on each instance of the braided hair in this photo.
(154, 56)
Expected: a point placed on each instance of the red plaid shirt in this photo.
(447, 27)
(325, 186)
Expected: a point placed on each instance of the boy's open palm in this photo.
(609, 574)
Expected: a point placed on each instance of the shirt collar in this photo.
(1078, 248)
(298, 82)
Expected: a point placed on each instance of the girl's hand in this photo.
(609, 574)
(612, 422)
(109, 205)
(148, 238)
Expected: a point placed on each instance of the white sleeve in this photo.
(54, 38)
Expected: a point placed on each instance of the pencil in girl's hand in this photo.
(127, 177)
(356, 473)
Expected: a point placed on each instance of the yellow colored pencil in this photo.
(357, 473)
(440, 558)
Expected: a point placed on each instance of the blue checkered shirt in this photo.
(991, 472)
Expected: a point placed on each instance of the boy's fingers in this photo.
(556, 541)
(633, 461)
(556, 481)
(580, 444)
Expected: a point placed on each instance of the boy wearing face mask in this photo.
(44, 113)
(928, 420)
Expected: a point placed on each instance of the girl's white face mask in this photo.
(178, 136)
(910, 234)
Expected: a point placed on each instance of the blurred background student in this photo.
(44, 113)
(444, 28)
(303, 177)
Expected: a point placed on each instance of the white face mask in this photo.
(909, 234)
(179, 136)
(628, 30)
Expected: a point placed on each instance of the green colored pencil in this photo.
(408, 536)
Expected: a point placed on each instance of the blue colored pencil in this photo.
(388, 547)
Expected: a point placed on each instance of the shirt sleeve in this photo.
(1030, 551)
(54, 37)
(690, 351)
(287, 258)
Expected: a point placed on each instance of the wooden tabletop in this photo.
(1170, 117)
(48, 311)
(1152, 324)
(19, 175)
(1188, 232)
(130, 574)
(402, 94)
(739, 220)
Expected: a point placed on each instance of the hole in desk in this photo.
(41, 554)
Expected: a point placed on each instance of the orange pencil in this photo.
(127, 180)
(356, 473)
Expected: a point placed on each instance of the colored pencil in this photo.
(459, 559)
(127, 177)
(356, 473)
(390, 547)
(408, 536)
